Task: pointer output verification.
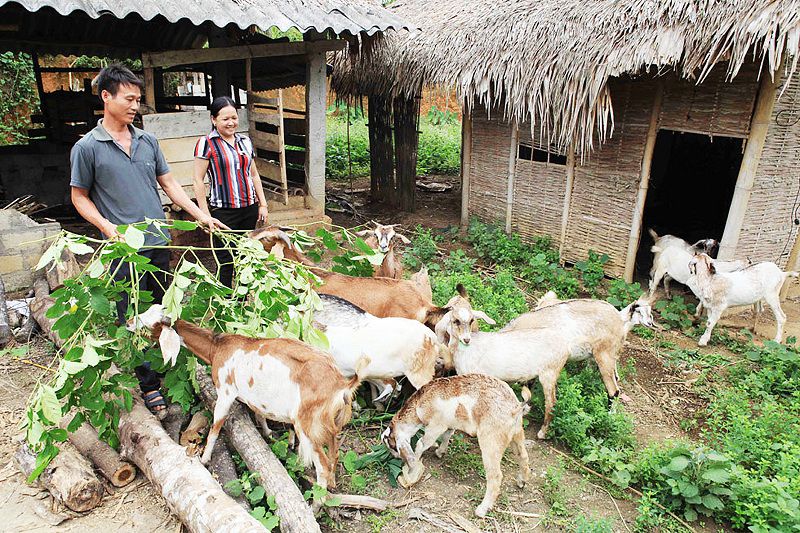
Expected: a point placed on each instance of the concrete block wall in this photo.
(18, 253)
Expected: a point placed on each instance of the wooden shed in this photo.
(592, 121)
(227, 47)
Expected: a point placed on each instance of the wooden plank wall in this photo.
(606, 184)
(177, 134)
(769, 230)
(489, 167)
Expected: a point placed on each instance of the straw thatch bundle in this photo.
(549, 61)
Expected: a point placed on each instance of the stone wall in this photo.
(18, 253)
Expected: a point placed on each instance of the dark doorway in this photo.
(692, 179)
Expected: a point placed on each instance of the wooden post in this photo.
(150, 90)
(567, 201)
(381, 151)
(406, 138)
(282, 150)
(316, 90)
(644, 182)
(512, 168)
(765, 102)
(466, 161)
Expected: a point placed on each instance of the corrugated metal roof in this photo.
(343, 16)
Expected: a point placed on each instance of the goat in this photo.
(281, 379)
(719, 290)
(395, 346)
(476, 404)
(520, 355)
(460, 317)
(383, 238)
(382, 297)
(671, 261)
(593, 328)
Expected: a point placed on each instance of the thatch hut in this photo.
(591, 121)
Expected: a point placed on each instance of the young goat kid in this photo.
(719, 290)
(395, 346)
(383, 238)
(279, 379)
(476, 404)
(539, 351)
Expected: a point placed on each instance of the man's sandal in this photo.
(154, 401)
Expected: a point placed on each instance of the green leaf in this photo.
(717, 475)
(712, 502)
(42, 460)
(349, 461)
(134, 237)
(79, 248)
(234, 487)
(76, 422)
(95, 269)
(270, 522)
(328, 240)
(53, 253)
(256, 495)
(184, 225)
(690, 514)
(333, 501)
(51, 407)
(678, 463)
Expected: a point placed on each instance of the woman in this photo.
(237, 196)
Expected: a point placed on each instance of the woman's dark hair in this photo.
(220, 103)
(111, 77)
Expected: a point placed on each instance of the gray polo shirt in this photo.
(124, 188)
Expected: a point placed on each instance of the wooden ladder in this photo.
(263, 110)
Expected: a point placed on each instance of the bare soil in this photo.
(661, 392)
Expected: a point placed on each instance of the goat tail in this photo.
(653, 234)
(362, 363)
(655, 249)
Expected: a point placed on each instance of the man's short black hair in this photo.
(111, 77)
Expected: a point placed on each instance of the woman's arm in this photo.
(263, 212)
(200, 170)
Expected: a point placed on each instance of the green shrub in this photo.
(458, 262)
(19, 97)
(621, 293)
(336, 158)
(592, 272)
(422, 249)
(439, 150)
(585, 524)
(675, 313)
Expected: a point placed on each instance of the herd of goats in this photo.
(385, 327)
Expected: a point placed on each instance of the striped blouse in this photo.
(228, 169)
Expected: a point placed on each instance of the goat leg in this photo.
(442, 449)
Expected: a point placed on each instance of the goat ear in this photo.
(277, 250)
(170, 343)
(483, 316)
(712, 268)
(403, 238)
(462, 290)
(433, 316)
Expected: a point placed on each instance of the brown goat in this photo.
(383, 238)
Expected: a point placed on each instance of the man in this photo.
(115, 171)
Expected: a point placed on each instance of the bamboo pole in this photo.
(644, 183)
(765, 102)
(466, 162)
(567, 200)
(512, 167)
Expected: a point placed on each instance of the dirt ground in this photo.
(452, 487)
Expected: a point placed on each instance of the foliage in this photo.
(380, 456)
(337, 164)
(353, 256)
(458, 262)
(553, 490)
(687, 478)
(437, 117)
(675, 313)
(19, 97)
(498, 295)
(592, 272)
(621, 293)
(263, 506)
(650, 517)
(422, 249)
(269, 299)
(584, 524)
(439, 150)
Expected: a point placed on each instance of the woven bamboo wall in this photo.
(605, 188)
(491, 144)
(715, 107)
(769, 232)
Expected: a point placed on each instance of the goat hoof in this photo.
(624, 398)
(481, 511)
(542, 435)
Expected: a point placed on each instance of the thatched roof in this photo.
(548, 61)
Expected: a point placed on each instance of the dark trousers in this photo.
(155, 282)
(241, 218)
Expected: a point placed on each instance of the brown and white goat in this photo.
(383, 238)
(719, 290)
(279, 379)
(382, 297)
(541, 351)
(476, 404)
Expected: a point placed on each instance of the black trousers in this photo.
(241, 218)
(155, 282)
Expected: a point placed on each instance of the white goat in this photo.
(475, 404)
(671, 261)
(395, 346)
(383, 238)
(543, 349)
(720, 290)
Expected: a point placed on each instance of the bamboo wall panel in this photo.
(539, 190)
(715, 107)
(605, 188)
(489, 166)
(769, 231)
